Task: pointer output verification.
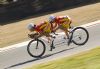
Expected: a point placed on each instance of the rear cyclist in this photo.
(60, 22)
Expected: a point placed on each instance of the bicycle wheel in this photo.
(36, 48)
(80, 36)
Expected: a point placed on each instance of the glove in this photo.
(33, 35)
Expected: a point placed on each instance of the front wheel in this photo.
(36, 48)
(80, 36)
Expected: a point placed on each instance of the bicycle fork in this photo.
(37, 45)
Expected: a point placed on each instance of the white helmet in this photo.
(51, 18)
(30, 26)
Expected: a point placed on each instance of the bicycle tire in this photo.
(29, 51)
(87, 34)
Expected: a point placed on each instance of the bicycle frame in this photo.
(71, 36)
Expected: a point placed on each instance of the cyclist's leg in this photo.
(54, 27)
(66, 32)
(50, 40)
(47, 34)
(65, 29)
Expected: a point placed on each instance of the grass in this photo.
(87, 60)
(16, 32)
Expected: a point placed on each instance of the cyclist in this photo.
(43, 29)
(60, 22)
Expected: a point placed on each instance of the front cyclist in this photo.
(43, 29)
(60, 22)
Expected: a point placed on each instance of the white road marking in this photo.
(26, 42)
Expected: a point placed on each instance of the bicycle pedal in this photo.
(52, 47)
(69, 42)
(65, 38)
(54, 37)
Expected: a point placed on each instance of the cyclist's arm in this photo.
(33, 35)
(54, 26)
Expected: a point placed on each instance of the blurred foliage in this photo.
(3, 2)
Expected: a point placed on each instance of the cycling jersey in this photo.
(63, 20)
(43, 27)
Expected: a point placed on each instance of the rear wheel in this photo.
(80, 36)
(36, 48)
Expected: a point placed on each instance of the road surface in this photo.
(18, 58)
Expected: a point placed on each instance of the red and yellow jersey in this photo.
(62, 19)
(65, 21)
(44, 26)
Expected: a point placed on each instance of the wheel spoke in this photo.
(36, 48)
(80, 36)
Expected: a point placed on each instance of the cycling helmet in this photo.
(30, 26)
(51, 18)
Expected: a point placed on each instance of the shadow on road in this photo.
(36, 59)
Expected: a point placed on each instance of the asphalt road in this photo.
(18, 58)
